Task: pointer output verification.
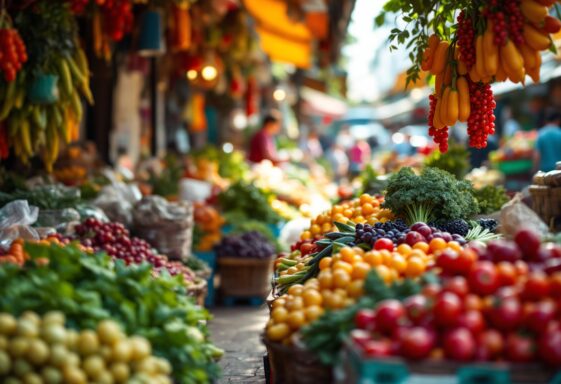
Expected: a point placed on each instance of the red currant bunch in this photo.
(499, 28)
(466, 39)
(481, 121)
(440, 136)
(12, 53)
(515, 21)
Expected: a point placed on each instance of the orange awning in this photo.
(284, 40)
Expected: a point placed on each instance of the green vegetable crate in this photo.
(358, 369)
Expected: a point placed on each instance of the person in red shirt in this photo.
(262, 145)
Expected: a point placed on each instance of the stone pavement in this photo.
(237, 330)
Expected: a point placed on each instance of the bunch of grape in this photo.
(12, 53)
(459, 227)
(393, 230)
(115, 240)
(481, 122)
(466, 39)
(440, 136)
(117, 18)
(248, 245)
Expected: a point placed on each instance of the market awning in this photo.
(282, 39)
(319, 103)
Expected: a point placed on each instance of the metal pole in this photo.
(154, 105)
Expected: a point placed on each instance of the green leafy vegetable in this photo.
(371, 181)
(432, 194)
(491, 198)
(89, 288)
(245, 201)
(45, 197)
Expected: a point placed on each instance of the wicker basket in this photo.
(546, 202)
(198, 292)
(294, 365)
(245, 277)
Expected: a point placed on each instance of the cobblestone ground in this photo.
(237, 330)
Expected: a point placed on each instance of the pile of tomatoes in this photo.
(500, 302)
(12, 53)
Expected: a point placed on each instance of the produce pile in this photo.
(492, 303)
(488, 42)
(252, 245)
(447, 287)
(39, 349)
(244, 201)
(90, 289)
(208, 226)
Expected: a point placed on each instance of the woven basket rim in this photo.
(243, 261)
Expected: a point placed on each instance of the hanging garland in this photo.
(41, 104)
(467, 45)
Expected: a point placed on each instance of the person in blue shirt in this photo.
(548, 143)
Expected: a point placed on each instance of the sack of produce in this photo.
(117, 200)
(166, 226)
(516, 215)
(16, 219)
(58, 218)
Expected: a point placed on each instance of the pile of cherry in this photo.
(116, 241)
(495, 303)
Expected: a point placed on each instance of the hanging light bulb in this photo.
(279, 94)
(209, 72)
(191, 74)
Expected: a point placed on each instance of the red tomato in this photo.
(538, 316)
(459, 345)
(473, 301)
(520, 348)
(483, 278)
(416, 343)
(506, 314)
(550, 347)
(473, 321)
(360, 337)
(307, 248)
(507, 273)
(457, 285)
(447, 261)
(492, 342)
(365, 319)
(536, 287)
(377, 348)
(555, 285)
(417, 308)
(389, 314)
(447, 309)
(465, 261)
(383, 243)
(528, 242)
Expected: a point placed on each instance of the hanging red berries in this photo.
(439, 135)
(12, 53)
(481, 122)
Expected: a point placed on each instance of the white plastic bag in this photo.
(16, 219)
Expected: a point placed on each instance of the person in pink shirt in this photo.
(262, 145)
(359, 156)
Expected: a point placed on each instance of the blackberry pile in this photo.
(393, 230)
(490, 224)
(247, 245)
(458, 227)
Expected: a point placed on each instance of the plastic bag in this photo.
(117, 201)
(59, 219)
(16, 219)
(516, 215)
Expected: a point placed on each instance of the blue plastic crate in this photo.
(209, 257)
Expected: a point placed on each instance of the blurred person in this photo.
(404, 148)
(548, 143)
(338, 161)
(510, 125)
(311, 145)
(262, 145)
(359, 156)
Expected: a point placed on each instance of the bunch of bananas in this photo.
(35, 128)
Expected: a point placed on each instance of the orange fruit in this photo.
(384, 273)
(347, 253)
(360, 270)
(325, 263)
(422, 246)
(404, 249)
(415, 267)
(455, 246)
(348, 213)
(367, 209)
(296, 290)
(342, 265)
(437, 244)
(311, 297)
(358, 251)
(325, 279)
(341, 279)
(399, 263)
(365, 198)
(355, 288)
(373, 258)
